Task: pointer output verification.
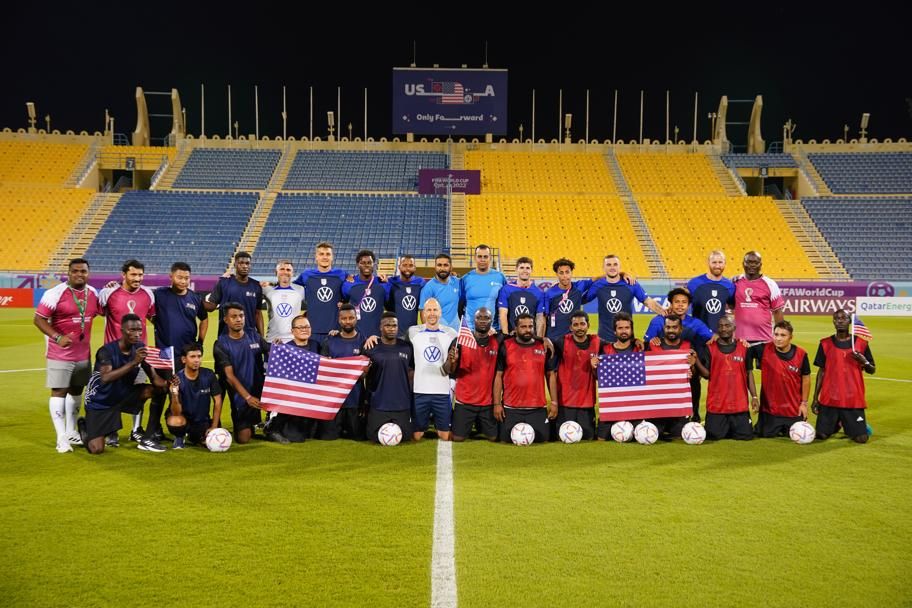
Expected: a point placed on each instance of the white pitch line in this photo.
(443, 557)
(13, 371)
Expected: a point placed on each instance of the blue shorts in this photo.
(439, 406)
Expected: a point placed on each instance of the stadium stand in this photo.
(147, 158)
(37, 218)
(541, 173)
(389, 225)
(38, 162)
(865, 172)
(755, 161)
(871, 236)
(161, 227)
(685, 229)
(659, 174)
(228, 169)
(549, 227)
(320, 170)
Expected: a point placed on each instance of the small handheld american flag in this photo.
(466, 337)
(860, 330)
(160, 358)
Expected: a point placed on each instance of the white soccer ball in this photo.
(802, 432)
(218, 440)
(646, 433)
(570, 432)
(389, 434)
(622, 431)
(522, 434)
(693, 433)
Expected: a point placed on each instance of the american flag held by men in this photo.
(302, 383)
(632, 386)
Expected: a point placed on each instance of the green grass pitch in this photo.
(766, 523)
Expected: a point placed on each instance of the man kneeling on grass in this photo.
(196, 387)
(112, 389)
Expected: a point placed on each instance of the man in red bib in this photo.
(519, 382)
(839, 396)
(726, 364)
(785, 378)
(571, 378)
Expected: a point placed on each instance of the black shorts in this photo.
(769, 425)
(854, 422)
(377, 418)
(348, 424)
(536, 417)
(584, 416)
(296, 429)
(669, 428)
(729, 426)
(481, 416)
(244, 417)
(103, 422)
(194, 431)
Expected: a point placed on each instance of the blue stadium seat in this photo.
(865, 172)
(162, 227)
(227, 169)
(348, 170)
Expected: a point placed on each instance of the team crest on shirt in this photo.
(714, 306)
(614, 293)
(191, 306)
(409, 302)
(254, 347)
(714, 292)
(205, 391)
(408, 290)
(403, 355)
(324, 294)
(322, 281)
(249, 294)
(432, 354)
(368, 304)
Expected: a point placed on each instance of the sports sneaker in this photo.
(112, 440)
(178, 443)
(83, 434)
(159, 436)
(74, 438)
(150, 445)
(63, 446)
(137, 434)
(277, 437)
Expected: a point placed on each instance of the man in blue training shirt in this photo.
(479, 288)
(390, 380)
(711, 291)
(177, 310)
(195, 389)
(241, 289)
(350, 421)
(444, 288)
(563, 299)
(614, 295)
(367, 294)
(404, 294)
(322, 292)
(521, 296)
(240, 357)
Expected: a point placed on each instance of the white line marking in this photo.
(443, 557)
(13, 371)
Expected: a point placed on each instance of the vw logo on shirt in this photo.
(566, 306)
(368, 304)
(432, 354)
(409, 302)
(714, 306)
(522, 309)
(613, 305)
(284, 309)
(324, 294)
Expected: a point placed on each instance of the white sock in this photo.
(72, 412)
(137, 420)
(58, 415)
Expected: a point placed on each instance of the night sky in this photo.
(820, 67)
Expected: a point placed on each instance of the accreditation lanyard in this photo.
(81, 305)
(367, 292)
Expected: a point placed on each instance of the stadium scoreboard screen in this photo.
(449, 102)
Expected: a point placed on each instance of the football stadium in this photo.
(418, 351)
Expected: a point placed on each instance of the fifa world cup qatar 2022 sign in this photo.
(449, 102)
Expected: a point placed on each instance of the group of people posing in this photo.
(475, 354)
